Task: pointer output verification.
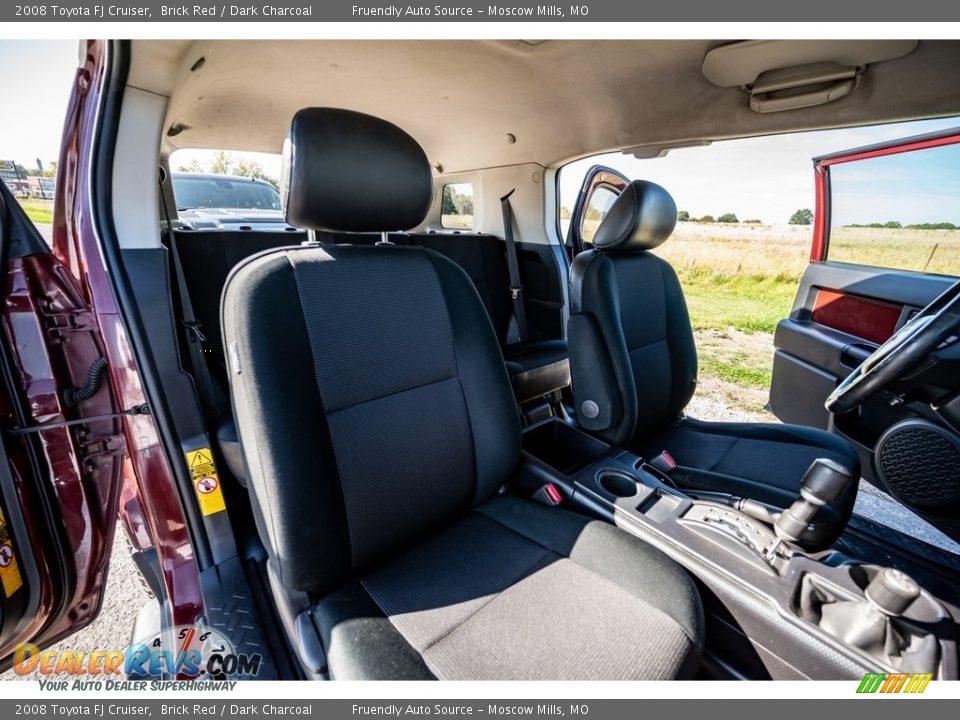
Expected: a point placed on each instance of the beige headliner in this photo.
(560, 99)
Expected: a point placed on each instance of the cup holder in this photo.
(618, 484)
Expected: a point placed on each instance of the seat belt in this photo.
(513, 266)
(195, 336)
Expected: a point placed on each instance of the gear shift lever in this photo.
(822, 483)
(873, 623)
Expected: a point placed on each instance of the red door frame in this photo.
(822, 165)
(150, 503)
(92, 487)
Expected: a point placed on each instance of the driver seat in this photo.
(633, 364)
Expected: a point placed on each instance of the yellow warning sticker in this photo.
(9, 570)
(206, 482)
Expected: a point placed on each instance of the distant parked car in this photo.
(208, 200)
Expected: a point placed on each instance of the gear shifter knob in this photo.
(823, 483)
(824, 480)
(892, 592)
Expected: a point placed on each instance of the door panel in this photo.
(871, 320)
(844, 311)
(821, 343)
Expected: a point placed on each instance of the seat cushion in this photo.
(482, 258)
(516, 590)
(762, 461)
(537, 368)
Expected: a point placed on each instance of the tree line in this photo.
(224, 164)
(895, 225)
(804, 216)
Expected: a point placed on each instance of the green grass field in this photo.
(746, 276)
(741, 277)
(740, 281)
(39, 211)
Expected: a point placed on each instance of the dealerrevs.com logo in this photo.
(894, 683)
(187, 653)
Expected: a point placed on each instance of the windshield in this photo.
(212, 192)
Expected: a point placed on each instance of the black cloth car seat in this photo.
(378, 427)
(634, 369)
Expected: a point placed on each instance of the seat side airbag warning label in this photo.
(206, 481)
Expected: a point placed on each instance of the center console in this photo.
(773, 610)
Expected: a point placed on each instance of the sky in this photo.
(769, 178)
(763, 178)
(915, 187)
(35, 82)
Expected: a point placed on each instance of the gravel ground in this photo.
(125, 594)
(122, 601)
(46, 231)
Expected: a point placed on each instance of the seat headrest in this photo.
(345, 171)
(640, 219)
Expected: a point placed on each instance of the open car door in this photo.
(886, 244)
(601, 186)
(61, 447)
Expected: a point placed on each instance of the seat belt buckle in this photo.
(515, 291)
(664, 462)
(548, 495)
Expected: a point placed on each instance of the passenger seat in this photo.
(635, 370)
(378, 425)
(537, 369)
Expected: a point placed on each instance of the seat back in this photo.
(371, 399)
(482, 258)
(633, 361)
(207, 256)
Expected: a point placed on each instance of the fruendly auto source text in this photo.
(467, 11)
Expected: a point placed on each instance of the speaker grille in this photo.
(920, 462)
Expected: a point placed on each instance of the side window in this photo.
(33, 187)
(898, 211)
(598, 205)
(456, 209)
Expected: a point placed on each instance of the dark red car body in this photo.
(61, 315)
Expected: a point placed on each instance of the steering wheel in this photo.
(902, 353)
